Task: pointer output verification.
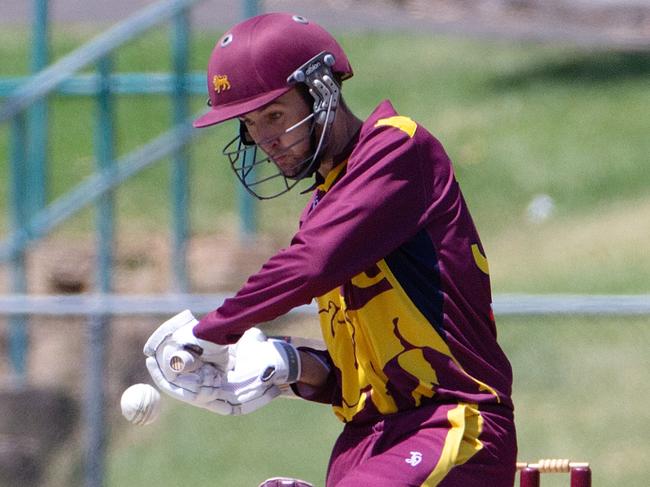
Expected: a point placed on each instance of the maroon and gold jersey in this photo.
(389, 250)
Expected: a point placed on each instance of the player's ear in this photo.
(304, 94)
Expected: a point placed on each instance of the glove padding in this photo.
(200, 387)
(218, 384)
(206, 388)
(262, 365)
(175, 335)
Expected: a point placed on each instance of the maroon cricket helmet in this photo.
(250, 64)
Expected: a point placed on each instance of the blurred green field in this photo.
(517, 120)
(580, 392)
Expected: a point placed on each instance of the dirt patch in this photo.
(58, 346)
(142, 265)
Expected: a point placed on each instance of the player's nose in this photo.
(271, 144)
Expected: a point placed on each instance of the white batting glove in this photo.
(261, 365)
(201, 386)
(205, 387)
(175, 335)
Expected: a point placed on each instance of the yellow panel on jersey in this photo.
(413, 331)
(339, 337)
(403, 123)
(461, 442)
(417, 357)
(332, 176)
(480, 260)
(391, 341)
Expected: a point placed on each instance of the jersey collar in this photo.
(332, 176)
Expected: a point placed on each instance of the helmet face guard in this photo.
(256, 170)
(253, 64)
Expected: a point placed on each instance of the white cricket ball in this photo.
(140, 404)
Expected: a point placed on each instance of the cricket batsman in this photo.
(387, 248)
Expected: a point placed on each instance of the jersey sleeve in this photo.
(380, 202)
(324, 394)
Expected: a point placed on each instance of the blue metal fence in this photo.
(26, 110)
(32, 217)
(38, 116)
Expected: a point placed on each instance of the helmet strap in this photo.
(316, 75)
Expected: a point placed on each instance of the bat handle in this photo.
(184, 361)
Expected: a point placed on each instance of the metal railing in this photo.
(32, 217)
(172, 303)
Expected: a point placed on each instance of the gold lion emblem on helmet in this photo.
(220, 82)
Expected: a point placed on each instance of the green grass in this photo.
(190, 446)
(517, 121)
(580, 392)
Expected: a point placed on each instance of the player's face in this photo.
(268, 128)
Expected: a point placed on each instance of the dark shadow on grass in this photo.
(602, 67)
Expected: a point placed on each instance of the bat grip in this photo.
(184, 361)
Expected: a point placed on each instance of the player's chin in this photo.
(288, 167)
